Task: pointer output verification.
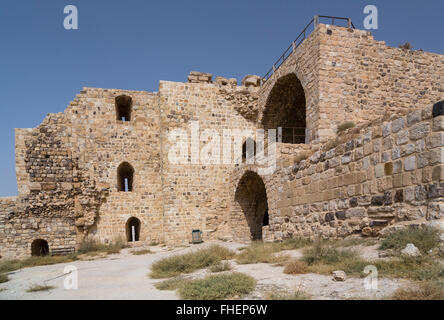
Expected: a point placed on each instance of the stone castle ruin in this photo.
(101, 170)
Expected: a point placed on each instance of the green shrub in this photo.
(36, 288)
(416, 268)
(424, 239)
(324, 259)
(296, 267)
(421, 291)
(220, 267)
(92, 246)
(292, 244)
(189, 262)
(320, 253)
(4, 278)
(345, 126)
(218, 287)
(297, 295)
(171, 284)
(261, 252)
(15, 264)
(141, 252)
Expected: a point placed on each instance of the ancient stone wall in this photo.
(349, 76)
(364, 181)
(362, 79)
(386, 170)
(196, 196)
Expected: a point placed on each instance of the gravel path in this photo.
(125, 276)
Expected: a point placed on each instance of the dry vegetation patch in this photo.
(297, 295)
(36, 288)
(421, 291)
(296, 267)
(218, 287)
(4, 278)
(424, 238)
(141, 252)
(189, 262)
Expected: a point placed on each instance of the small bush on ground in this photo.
(259, 252)
(36, 288)
(218, 287)
(292, 244)
(171, 284)
(92, 246)
(424, 239)
(15, 264)
(4, 278)
(421, 291)
(189, 262)
(345, 126)
(141, 252)
(354, 241)
(324, 259)
(296, 267)
(220, 267)
(416, 268)
(297, 295)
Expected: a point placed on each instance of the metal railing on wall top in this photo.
(301, 37)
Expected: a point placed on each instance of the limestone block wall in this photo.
(304, 63)
(363, 182)
(103, 143)
(18, 230)
(361, 79)
(196, 193)
(349, 76)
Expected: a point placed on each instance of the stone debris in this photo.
(410, 251)
(339, 275)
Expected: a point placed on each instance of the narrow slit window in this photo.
(124, 105)
(125, 177)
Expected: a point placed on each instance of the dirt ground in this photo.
(125, 276)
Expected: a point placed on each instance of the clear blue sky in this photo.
(133, 44)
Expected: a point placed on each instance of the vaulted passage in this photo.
(125, 177)
(124, 105)
(286, 108)
(252, 198)
(132, 229)
(39, 247)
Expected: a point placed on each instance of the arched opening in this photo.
(266, 221)
(248, 150)
(124, 105)
(39, 248)
(132, 229)
(286, 108)
(125, 177)
(252, 198)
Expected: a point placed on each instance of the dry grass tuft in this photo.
(36, 288)
(92, 247)
(188, 262)
(141, 252)
(425, 239)
(221, 266)
(421, 291)
(218, 287)
(4, 278)
(345, 126)
(296, 267)
(259, 252)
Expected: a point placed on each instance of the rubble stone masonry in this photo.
(386, 170)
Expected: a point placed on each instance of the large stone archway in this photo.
(286, 108)
(251, 199)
